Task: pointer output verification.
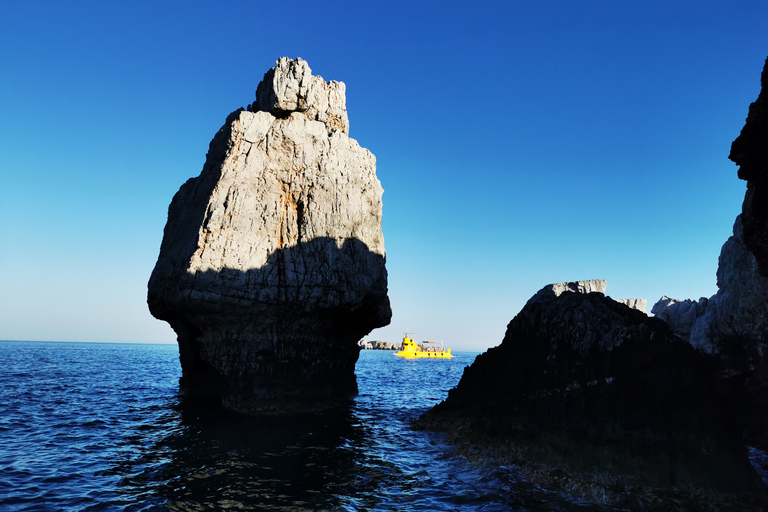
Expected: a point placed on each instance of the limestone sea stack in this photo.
(272, 266)
(750, 152)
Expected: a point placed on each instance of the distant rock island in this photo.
(379, 345)
(272, 264)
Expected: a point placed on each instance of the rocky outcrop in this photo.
(734, 321)
(272, 261)
(750, 152)
(379, 345)
(600, 392)
(638, 304)
(679, 314)
(738, 312)
(555, 290)
(592, 285)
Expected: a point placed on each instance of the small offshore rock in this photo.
(379, 345)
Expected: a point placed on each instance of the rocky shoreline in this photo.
(378, 345)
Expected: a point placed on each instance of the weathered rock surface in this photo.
(272, 261)
(679, 314)
(750, 152)
(603, 393)
(733, 325)
(592, 285)
(638, 304)
(734, 321)
(379, 345)
(555, 290)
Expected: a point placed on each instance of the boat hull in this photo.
(424, 355)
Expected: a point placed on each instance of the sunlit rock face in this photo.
(272, 261)
(750, 152)
(732, 323)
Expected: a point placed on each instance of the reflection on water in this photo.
(101, 427)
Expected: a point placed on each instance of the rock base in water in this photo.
(592, 390)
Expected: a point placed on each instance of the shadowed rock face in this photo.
(272, 261)
(589, 386)
(750, 152)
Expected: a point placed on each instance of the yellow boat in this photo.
(413, 350)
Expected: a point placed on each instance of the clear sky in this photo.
(518, 143)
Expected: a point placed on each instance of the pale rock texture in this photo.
(738, 312)
(735, 319)
(272, 261)
(589, 286)
(555, 290)
(290, 87)
(638, 304)
(679, 314)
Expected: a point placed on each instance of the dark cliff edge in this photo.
(750, 152)
(590, 397)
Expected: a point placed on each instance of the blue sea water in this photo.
(86, 426)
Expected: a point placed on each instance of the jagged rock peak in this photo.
(679, 314)
(638, 304)
(733, 319)
(555, 290)
(290, 87)
(551, 291)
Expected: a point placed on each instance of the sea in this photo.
(101, 427)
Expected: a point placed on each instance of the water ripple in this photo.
(100, 427)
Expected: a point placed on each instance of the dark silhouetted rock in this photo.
(272, 261)
(600, 392)
(750, 152)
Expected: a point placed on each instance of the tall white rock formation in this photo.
(272, 261)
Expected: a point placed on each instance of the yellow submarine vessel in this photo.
(413, 350)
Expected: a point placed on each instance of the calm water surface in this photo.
(88, 426)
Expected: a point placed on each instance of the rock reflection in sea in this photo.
(100, 427)
(360, 457)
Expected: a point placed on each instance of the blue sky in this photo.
(518, 143)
